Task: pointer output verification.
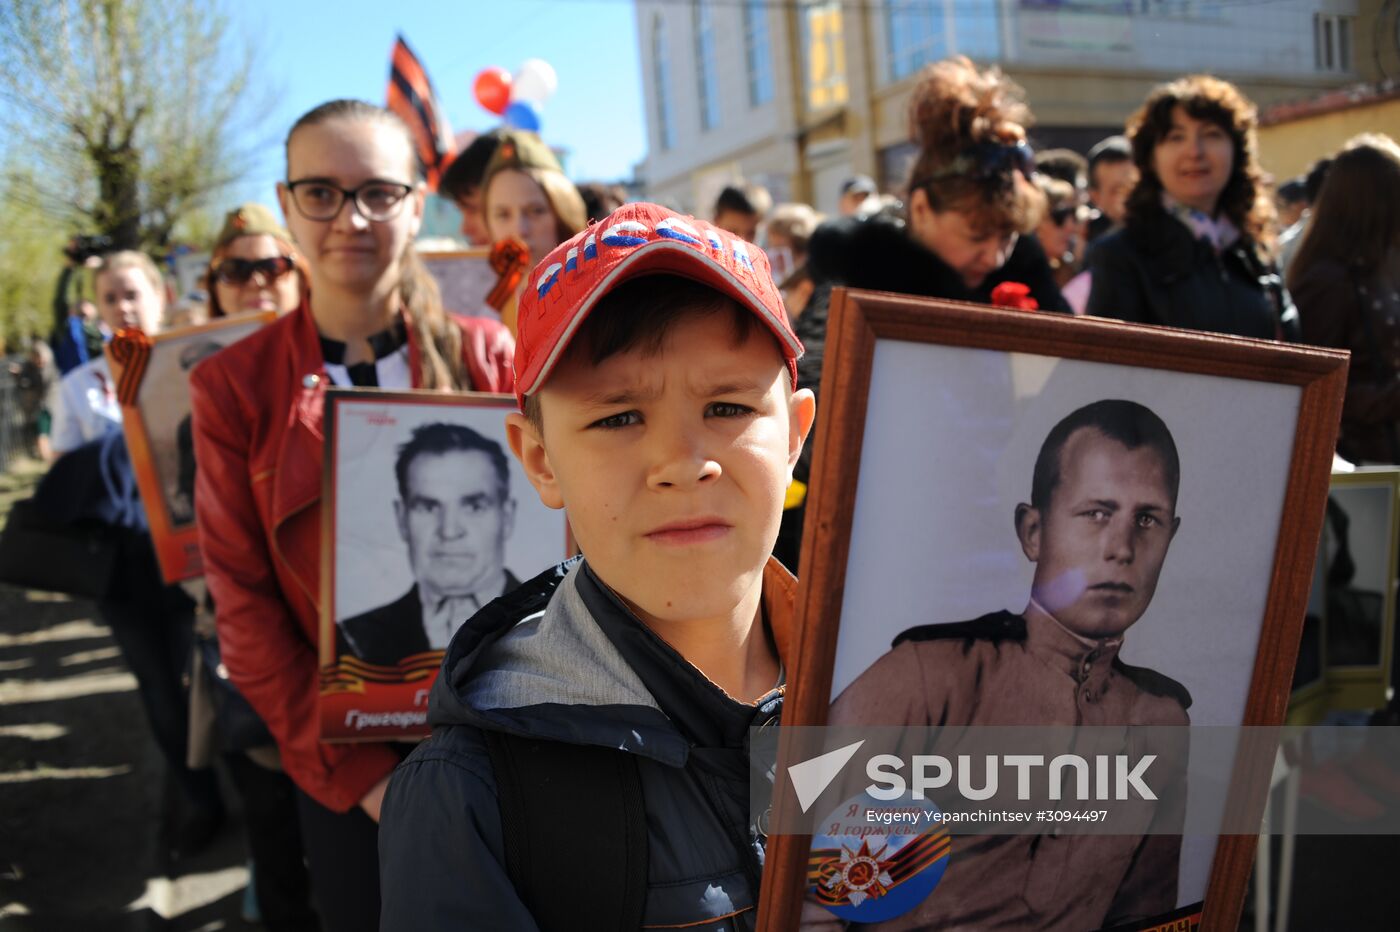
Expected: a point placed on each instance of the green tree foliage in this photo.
(30, 261)
(126, 115)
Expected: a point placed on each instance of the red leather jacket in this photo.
(258, 441)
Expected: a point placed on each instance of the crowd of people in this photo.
(1173, 222)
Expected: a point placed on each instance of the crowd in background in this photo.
(1172, 222)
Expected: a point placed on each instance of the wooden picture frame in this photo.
(882, 348)
(465, 278)
(1358, 674)
(152, 377)
(381, 554)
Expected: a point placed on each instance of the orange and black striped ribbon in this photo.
(411, 96)
(131, 350)
(350, 674)
(916, 856)
(510, 259)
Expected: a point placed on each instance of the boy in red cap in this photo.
(588, 764)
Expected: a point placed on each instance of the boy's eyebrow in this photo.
(734, 387)
(612, 397)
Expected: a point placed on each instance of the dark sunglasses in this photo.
(1059, 215)
(985, 161)
(240, 271)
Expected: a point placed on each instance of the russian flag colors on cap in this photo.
(637, 239)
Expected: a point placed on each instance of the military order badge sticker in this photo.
(878, 860)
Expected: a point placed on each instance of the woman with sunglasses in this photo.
(372, 317)
(970, 202)
(254, 266)
(1195, 250)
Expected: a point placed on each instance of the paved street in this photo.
(81, 784)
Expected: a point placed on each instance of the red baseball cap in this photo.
(637, 239)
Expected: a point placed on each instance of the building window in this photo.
(920, 32)
(1332, 42)
(917, 35)
(706, 73)
(824, 53)
(758, 52)
(661, 78)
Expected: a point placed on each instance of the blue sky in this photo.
(315, 50)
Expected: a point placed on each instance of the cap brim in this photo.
(655, 257)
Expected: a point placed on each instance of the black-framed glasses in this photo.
(985, 161)
(241, 271)
(1059, 215)
(316, 199)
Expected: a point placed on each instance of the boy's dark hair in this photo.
(436, 439)
(465, 173)
(1127, 422)
(1064, 164)
(741, 200)
(1110, 151)
(638, 314)
(1312, 181)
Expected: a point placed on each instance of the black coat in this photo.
(583, 671)
(877, 254)
(388, 633)
(1154, 271)
(1345, 309)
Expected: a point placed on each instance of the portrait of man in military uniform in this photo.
(1099, 523)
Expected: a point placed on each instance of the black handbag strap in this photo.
(551, 796)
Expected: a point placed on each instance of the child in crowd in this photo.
(656, 375)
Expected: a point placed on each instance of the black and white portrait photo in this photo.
(454, 512)
(430, 522)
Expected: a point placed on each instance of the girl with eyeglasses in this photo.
(254, 266)
(372, 317)
(969, 204)
(1196, 247)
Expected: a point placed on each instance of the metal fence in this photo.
(12, 434)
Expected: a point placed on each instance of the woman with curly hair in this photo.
(1195, 251)
(1346, 279)
(969, 206)
(970, 200)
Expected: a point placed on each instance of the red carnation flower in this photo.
(1014, 295)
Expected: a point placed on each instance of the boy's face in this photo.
(672, 465)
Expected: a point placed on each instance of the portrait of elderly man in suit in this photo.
(454, 512)
(1101, 517)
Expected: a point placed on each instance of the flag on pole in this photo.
(411, 96)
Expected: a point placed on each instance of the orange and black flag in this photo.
(411, 96)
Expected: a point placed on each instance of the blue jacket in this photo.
(583, 670)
